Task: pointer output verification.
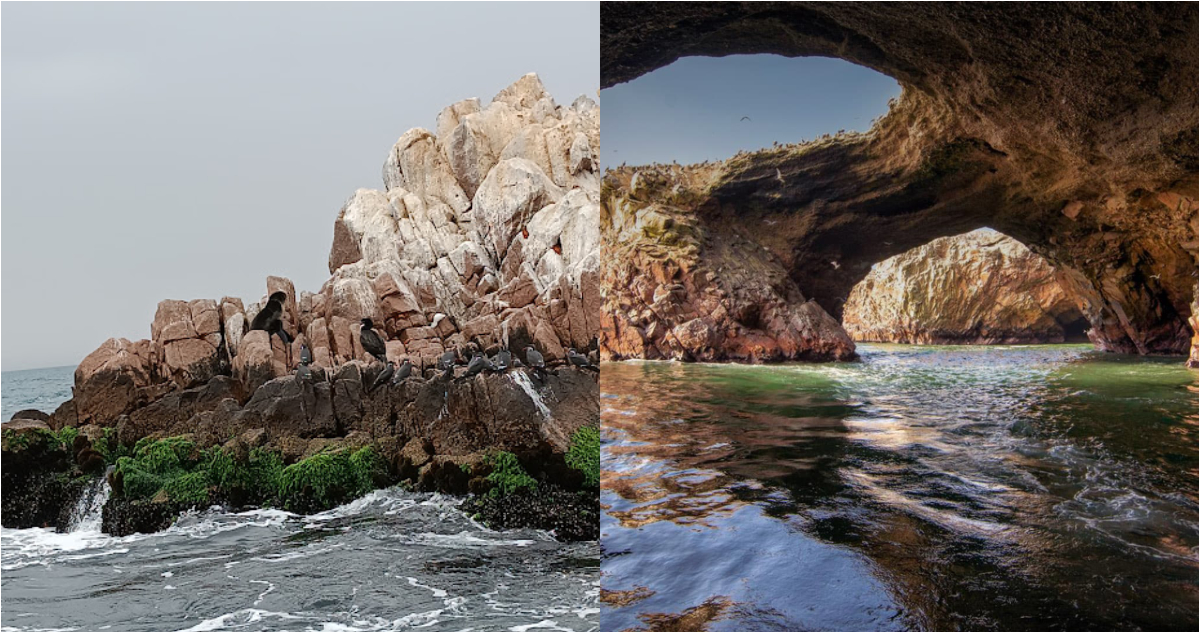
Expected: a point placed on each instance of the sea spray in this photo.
(87, 514)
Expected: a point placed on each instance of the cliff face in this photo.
(678, 288)
(485, 235)
(981, 287)
(1070, 127)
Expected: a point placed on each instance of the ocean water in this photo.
(392, 560)
(984, 488)
(42, 389)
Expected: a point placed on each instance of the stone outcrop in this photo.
(1062, 125)
(484, 236)
(676, 288)
(981, 287)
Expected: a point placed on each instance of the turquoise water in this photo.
(926, 487)
(42, 389)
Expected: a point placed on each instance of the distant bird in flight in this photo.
(745, 118)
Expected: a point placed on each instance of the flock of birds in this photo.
(270, 320)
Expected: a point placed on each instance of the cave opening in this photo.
(701, 109)
(979, 287)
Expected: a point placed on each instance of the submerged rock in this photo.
(980, 287)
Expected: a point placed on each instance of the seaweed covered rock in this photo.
(39, 469)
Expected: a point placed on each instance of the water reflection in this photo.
(955, 487)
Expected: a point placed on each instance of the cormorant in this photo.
(384, 376)
(270, 313)
(478, 363)
(446, 363)
(372, 341)
(534, 359)
(305, 355)
(579, 360)
(402, 372)
(503, 359)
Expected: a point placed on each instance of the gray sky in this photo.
(691, 111)
(183, 151)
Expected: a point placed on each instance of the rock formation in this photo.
(1070, 127)
(676, 287)
(980, 287)
(484, 236)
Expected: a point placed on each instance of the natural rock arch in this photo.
(1071, 128)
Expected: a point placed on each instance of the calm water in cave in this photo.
(925, 487)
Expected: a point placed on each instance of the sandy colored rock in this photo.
(980, 287)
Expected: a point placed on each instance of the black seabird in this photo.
(478, 363)
(402, 372)
(579, 360)
(534, 359)
(305, 355)
(372, 341)
(446, 363)
(270, 313)
(503, 359)
(384, 376)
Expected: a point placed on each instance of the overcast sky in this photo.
(184, 151)
(692, 110)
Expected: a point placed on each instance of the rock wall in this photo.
(1062, 125)
(484, 235)
(677, 288)
(981, 287)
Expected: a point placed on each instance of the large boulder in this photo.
(115, 379)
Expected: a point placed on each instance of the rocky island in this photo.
(484, 239)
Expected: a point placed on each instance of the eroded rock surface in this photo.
(1061, 125)
(678, 288)
(978, 288)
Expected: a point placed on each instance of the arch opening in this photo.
(702, 109)
(980, 287)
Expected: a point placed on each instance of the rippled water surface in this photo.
(392, 560)
(41, 389)
(1028, 487)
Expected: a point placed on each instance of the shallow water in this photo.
(1024, 487)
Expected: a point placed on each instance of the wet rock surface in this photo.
(1000, 124)
(981, 287)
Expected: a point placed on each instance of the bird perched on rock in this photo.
(305, 355)
(446, 363)
(270, 313)
(579, 360)
(372, 341)
(478, 363)
(534, 359)
(402, 372)
(503, 359)
(303, 372)
(384, 376)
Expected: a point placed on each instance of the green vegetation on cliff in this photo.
(584, 455)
